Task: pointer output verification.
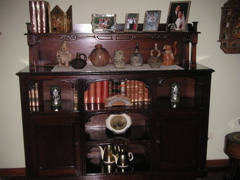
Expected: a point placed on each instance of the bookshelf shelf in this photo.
(162, 137)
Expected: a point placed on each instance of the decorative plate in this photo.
(118, 123)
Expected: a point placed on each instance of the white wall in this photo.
(225, 106)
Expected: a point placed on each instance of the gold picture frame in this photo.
(103, 23)
(131, 22)
(151, 20)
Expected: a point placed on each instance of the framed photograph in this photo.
(151, 20)
(178, 15)
(103, 23)
(131, 22)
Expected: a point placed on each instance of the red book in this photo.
(98, 92)
(86, 100)
(91, 94)
(105, 90)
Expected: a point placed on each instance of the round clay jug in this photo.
(99, 56)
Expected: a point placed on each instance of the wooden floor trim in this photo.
(218, 163)
(12, 172)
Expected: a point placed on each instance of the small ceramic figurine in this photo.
(118, 60)
(99, 56)
(63, 55)
(168, 54)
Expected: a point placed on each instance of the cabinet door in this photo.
(56, 145)
(177, 140)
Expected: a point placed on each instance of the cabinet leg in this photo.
(232, 169)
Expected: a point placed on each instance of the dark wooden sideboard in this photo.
(168, 141)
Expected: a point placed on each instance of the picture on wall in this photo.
(131, 22)
(178, 15)
(151, 20)
(103, 23)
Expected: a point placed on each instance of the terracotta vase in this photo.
(99, 56)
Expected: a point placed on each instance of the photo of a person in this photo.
(131, 22)
(151, 21)
(178, 15)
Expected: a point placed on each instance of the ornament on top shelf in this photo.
(155, 60)
(168, 54)
(136, 58)
(78, 62)
(99, 56)
(118, 62)
(64, 55)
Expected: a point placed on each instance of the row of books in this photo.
(43, 20)
(99, 91)
(33, 98)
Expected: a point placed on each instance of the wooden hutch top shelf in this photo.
(43, 47)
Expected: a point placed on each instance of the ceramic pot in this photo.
(78, 62)
(99, 56)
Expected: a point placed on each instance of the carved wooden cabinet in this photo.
(168, 141)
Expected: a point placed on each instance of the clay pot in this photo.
(99, 56)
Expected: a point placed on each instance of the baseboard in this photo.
(217, 163)
(12, 172)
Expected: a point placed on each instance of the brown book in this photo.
(98, 92)
(92, 94)
(38, 16)
(44, 18)
(33, 17)
(146, 98)
(132, 92)
(105, 90)
(128, 88)
(136, 91)
(141, 91)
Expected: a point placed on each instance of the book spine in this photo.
(115, 88)
(86, 95)
(98, 92)
(110, 88)
(146, 98)
(141, 91)
(123, 88)
(132, 90)
(44, 6)
(128, 88)
(33, 20)
(136, 91)
(38, 16)
(92, 95)
(105, 90)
